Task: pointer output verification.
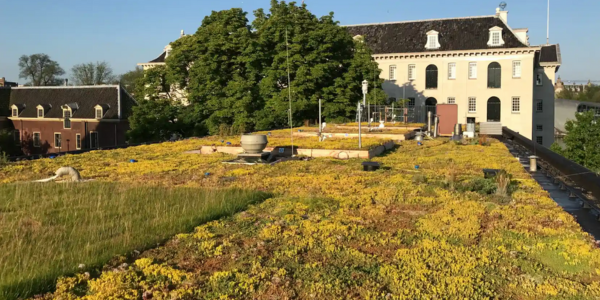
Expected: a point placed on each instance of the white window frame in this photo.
(14, 109)
(472, 104)
(97, 140)
(472, 70)
(495, 32)
(412, 72)
(433, 41)
(40, 108)
(69, 111)
(65, 121)
(60, 135)
(78, 141)
(452, 71)
(539, 104)
(516, 105)
(39, 140)
(451, 100)
(96, 109)
(393, 70)
(517, 69)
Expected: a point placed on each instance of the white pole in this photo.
(287, 49)
(359, 126)
(548, 26)
(320, 122)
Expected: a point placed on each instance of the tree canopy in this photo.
(40, 70)
(582, 141)
(590, 93)
(235, 73)
(93, 74)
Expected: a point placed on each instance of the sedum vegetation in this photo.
(332, 231)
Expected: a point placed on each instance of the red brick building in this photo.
(65, 118)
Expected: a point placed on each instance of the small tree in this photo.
(582, 141)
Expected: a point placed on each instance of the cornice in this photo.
(466, 53)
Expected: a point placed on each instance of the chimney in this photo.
(182, 33)
(502, 14)
(66, 82)
(2, 80)
(521, 34)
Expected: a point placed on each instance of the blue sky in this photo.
(126, 32)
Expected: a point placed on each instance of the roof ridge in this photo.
(415, 21)
(65, 87)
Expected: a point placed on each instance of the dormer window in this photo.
(495, 37)
(432, 40)
(99, 112)
(15, 111)
(67, 118)
(40, 111)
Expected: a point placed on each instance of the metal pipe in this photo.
(359, 127)
(320, 122)
(533, 163)
(429, 123)
(435, 126)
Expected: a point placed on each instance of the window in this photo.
(538, 78)
(37, 139)
(517, 69)
(431, 79)
(411, 72)
(67, 123)
(516, 104)
(17, 137)
(432, 40)
(94, 139)
(472, 70)
(539, 140)
(539, 106)
(15, 112)
(78, 141)
(452, 71)
(451, 100)
(411, 101)
(539, 127)
(495, 37)
(472, 104)
(40, 112)
(393, 72)
(494, 75)
(66, 113)
(99, 113)
(57, 140)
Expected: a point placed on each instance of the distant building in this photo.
(176, 93)
(566, 110)
(66, 118)
(481, 64)
(572, 86)
(4, 83)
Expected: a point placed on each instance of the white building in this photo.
(481, 64)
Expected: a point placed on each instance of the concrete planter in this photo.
(254, 143)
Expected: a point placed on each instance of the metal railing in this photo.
(391, 113)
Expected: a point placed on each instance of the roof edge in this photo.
(415, 21)
(65, 87)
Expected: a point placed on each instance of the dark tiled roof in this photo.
(454, 34)
(83, 98)
(4, 101)
(160, 59)
(550, 54)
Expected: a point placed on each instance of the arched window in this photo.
(494, 76)
(431, 105)
(431, 79)
(493, 109)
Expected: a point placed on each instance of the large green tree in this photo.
(590, 93)
(132, 81)
(243, 76)
(40, 70)
(582, 141)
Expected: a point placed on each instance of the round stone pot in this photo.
(254, 143)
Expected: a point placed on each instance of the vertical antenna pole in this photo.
(320, 122)
(287, 49)
(548, 26)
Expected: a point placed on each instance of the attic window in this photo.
(432, 40)
(99, 112)
(15, 111)
(40, 111)
(495, 37)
